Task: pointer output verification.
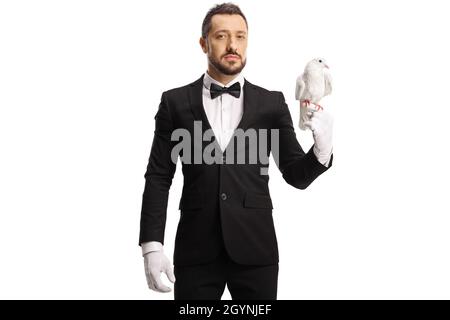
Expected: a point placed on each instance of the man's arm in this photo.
(298, 168)
(158, 178)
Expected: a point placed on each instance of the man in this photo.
(226, 234)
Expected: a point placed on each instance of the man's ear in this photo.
(203, 44)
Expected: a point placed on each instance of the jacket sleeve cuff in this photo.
(323, 158)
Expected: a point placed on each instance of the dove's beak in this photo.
(326, 66)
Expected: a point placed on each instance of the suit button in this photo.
(223, 196)
(223, 159)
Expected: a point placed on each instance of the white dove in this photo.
(314, 84)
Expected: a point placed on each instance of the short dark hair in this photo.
(224, 8)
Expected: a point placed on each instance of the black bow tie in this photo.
(216, 90)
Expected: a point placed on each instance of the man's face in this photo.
(226, 44)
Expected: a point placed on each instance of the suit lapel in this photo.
(250, 106)
(196, 103)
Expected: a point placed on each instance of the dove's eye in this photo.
(320, 61)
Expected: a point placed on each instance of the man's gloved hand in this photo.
(155, 263)
(321, 125)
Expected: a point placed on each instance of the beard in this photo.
(229, 70)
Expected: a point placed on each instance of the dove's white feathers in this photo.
(313, 84)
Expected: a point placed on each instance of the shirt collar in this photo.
(207, 80)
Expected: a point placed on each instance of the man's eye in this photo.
(220, 36)
(241, 37)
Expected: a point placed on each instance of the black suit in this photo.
(222, 205)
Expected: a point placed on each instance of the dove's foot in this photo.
(319, 107)
(306, 102)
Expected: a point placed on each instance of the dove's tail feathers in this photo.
(303, 117)
(299, 87)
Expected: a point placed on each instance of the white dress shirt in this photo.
(224, 114)
(225, 111)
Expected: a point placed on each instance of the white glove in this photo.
(156, 262)
(321, 125)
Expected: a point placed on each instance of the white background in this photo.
(80, 83)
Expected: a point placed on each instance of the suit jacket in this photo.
(223, 205)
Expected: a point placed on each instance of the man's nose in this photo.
(232, 46)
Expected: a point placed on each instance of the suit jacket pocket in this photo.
(190, 202)
(254, 200)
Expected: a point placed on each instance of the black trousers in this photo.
(207, 281)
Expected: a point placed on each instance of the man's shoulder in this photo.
(265, 93)
(262, 89)
(182, 89)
